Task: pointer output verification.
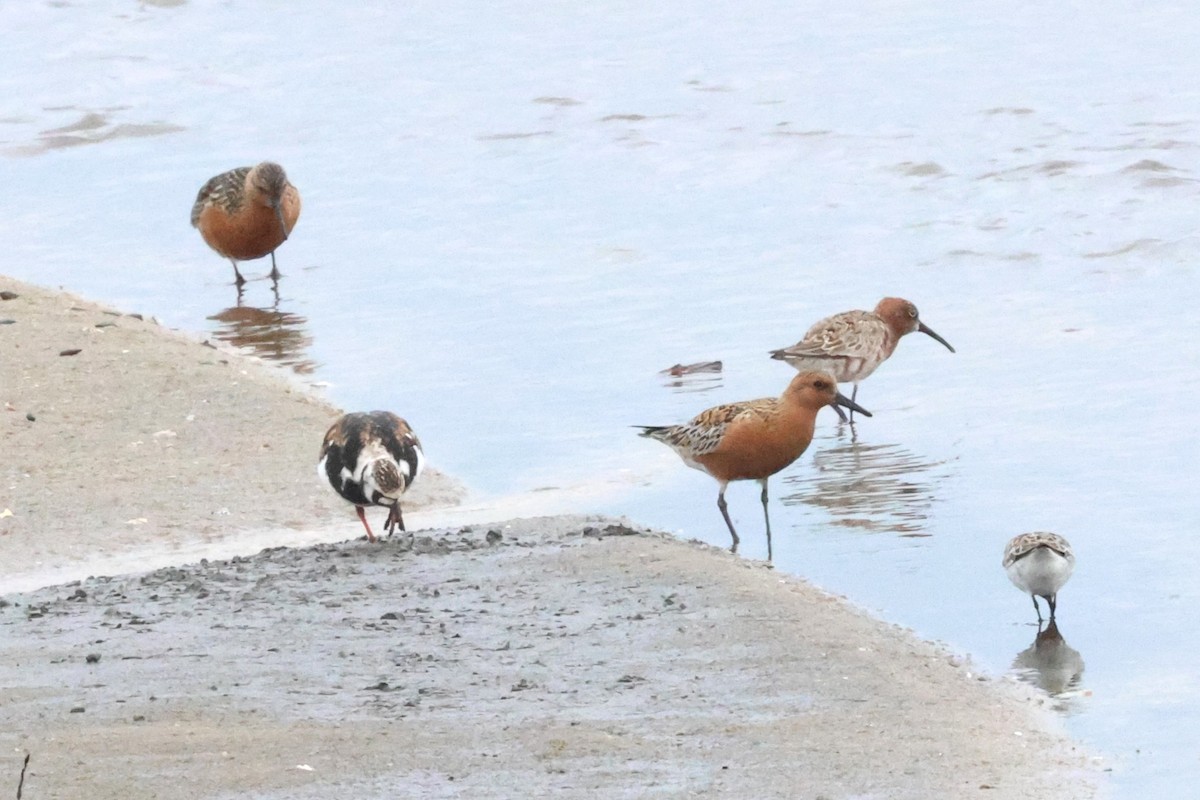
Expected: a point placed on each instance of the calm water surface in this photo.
(516, 215)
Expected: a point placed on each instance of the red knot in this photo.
(246, 213)
(753, 439)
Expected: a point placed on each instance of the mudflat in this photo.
(570, 656)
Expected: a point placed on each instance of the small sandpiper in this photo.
(246, 213)
(753, 439)
(1039, 564)
(852, 345)
(371, 459)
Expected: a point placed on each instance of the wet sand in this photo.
(573, 656)
(148, 441)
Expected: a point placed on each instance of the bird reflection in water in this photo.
(877, 488)
(269, 333)
(1050, 664)
(702, 376)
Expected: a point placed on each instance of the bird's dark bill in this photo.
(846, 402)
(928, 331)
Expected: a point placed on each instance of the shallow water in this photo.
(516, 216)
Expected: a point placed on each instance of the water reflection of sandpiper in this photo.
(878, 488)
(268, 333)
(1050, 663)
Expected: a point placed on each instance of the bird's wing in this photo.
(703, 433)
(1024, 544)
(224, 190)
(852, 334)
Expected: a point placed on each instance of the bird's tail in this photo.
(652, 431)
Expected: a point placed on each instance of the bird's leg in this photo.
(853, 397)
(725, 513)
(1052, 601)
(767, 517)
(1037, 608)
(363, 516)
(275, 269)
(395, 519)
(841, 414)
(237, 276)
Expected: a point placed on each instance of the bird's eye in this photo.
(820, 384)
(912, 312)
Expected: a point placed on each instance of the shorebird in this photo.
(1039, 564)
(753, 439)
(371, 459)
(852, 345)
(246, 213)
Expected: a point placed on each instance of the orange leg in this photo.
(363, 516)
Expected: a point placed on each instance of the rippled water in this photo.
(269, 333)
(516, 216)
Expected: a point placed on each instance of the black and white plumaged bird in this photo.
(1039, 564)
(370, 459)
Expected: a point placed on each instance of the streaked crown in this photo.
(270, 179)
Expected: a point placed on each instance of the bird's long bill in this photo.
(283, 227)
(846, 402)
(928, 331)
